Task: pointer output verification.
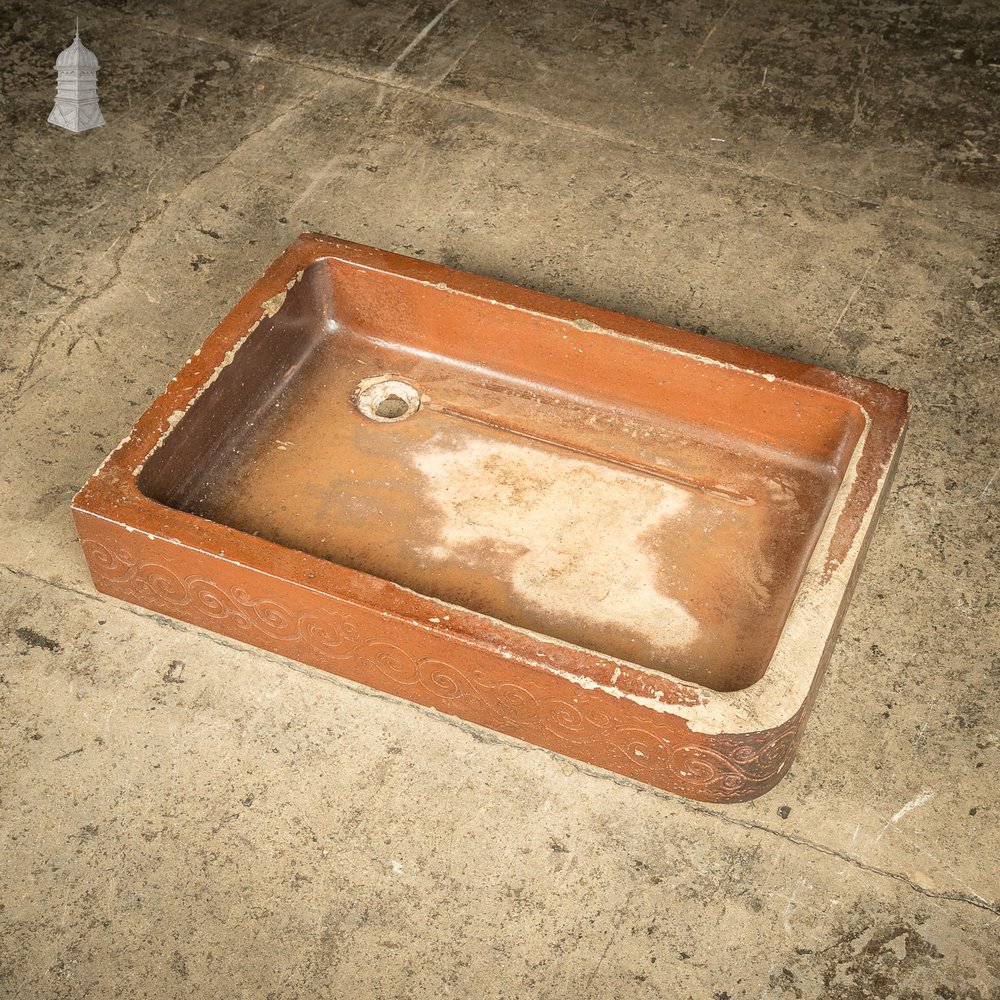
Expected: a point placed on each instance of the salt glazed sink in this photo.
(625, 543)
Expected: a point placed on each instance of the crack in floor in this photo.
(21, 381)
(394, 83)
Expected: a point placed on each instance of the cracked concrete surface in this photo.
(184, 816)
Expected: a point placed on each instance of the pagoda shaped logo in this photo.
(76, 106)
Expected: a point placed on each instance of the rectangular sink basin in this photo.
(617, 540)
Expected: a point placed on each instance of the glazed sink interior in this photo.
(608, 492)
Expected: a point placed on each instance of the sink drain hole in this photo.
(392, 407)
(386, 399)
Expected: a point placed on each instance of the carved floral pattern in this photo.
(588, 724)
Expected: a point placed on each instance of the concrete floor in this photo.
(182, 816)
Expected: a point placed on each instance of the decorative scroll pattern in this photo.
(587, 724)
(201, 600)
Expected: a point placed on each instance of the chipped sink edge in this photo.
(269, 308)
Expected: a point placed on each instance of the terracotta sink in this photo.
(620, 541)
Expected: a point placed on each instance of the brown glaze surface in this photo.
(588, 519)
